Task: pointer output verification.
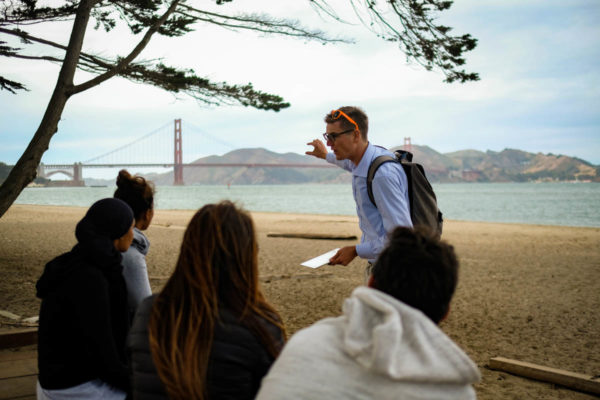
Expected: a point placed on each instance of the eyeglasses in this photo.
(331, 137)
(336, 114)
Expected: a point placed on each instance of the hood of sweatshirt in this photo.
(140, 241)
(391, 338)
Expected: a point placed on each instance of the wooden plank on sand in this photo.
(585, 383)
(18, 368)
(18, 337)
(269, 278)
(317, 236)
(18, 388)
(21, 353)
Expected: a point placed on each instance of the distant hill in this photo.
(508, 165)
(255, 175)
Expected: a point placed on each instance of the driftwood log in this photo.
(584, 383)
(317, 236)
(267, 278)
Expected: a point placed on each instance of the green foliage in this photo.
(410, 23)
(11, 86)
(185, 81)
(139, 15)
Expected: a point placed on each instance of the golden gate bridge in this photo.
(146, 150)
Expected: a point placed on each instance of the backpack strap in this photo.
(375, 164)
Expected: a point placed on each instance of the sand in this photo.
(526, 292)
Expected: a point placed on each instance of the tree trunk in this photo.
(25, 169)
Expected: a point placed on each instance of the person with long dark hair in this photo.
(210, 333)
(83, 316)
(138, 193)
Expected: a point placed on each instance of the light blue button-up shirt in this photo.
(390, 190)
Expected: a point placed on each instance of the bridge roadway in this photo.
(204, 165)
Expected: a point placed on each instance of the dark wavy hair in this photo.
(135, 191)
(419, 270)
(217, 268)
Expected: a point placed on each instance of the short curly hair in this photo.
(419, 270)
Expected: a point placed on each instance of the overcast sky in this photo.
(539, 91)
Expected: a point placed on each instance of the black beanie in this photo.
(109, 218)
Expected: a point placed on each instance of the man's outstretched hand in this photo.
(319, 149)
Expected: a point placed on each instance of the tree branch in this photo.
(28, 14)
(129, 58)
(27, 37)
(167, 78)
(11, 86)
(410, 24)
(185, 81)
(260, 23)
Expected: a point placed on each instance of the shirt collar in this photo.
(362, 168)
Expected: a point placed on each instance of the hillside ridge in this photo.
(508, 165)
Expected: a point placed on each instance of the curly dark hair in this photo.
(419, 270)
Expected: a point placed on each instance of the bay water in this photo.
(567, 204)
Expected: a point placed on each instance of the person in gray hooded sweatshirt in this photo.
(387, 344)
(138, 193)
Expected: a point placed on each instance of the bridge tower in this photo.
(77, 174)
(41, 171)
(407, 144)
(178, 160)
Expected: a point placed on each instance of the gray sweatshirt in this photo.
(135, 271)
(379, 348)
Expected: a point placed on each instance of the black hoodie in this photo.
(83, 317)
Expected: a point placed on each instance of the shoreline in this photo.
(521, 203)
(191, 211)
(525, 292)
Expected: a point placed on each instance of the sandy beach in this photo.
(526, 292)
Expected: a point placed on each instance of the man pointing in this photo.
(346, 135)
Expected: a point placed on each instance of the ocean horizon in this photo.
(564, 204)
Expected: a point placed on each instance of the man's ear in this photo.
(371, 282)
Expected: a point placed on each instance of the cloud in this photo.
(538, 61)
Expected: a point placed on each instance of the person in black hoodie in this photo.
(83, 316)
(210, 333)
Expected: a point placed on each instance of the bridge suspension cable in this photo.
(158, 143)
(157, 147)
(206, 134)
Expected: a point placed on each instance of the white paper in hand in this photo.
(320, 260)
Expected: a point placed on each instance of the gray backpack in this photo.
(423, 203)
